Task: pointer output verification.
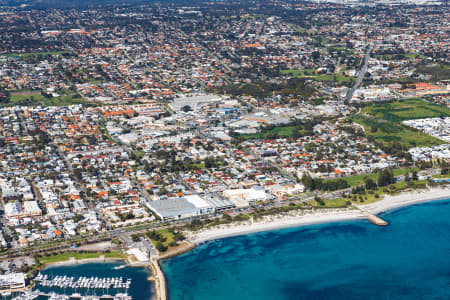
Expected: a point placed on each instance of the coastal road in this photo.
(50, 246)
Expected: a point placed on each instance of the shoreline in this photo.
(274, 222)
(320, 216)
(393, 202)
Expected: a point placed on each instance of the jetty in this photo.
(159, 279)
(376, 220)
(158, 276)
(372, 217)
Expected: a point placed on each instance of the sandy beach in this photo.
(291, 219)
(404, 199)
(299, 218)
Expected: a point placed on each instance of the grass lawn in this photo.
(406, 110)
(36, 54)
(330, 203)
(165, 237)
(342, 49)
(441, 176)
(311, 73)
(64, 100)
(29, 98)
(370, 196)
(281, 132)
(95, 80)
(359, 179)
(200, 165)
(410, 56)
(300, 72)
(387, 118)
(78, 255)
(20, 97)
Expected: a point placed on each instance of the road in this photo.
(361, 74)
(50, 246)
(139, 229)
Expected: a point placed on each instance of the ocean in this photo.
(409, 259)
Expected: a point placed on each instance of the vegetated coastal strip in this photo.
(296, 219)
(75, 261)
(71, 258)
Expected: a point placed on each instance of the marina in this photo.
(36, 294)
(83, 282)
(94, 281)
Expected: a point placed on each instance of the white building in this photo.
(13, 210)
(246, 197)
(12, 281)
(31, 208)
(200, 203)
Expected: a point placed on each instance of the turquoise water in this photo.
(140, 287)
(409, 259)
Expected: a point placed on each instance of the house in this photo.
(31, 209)
(13, 210)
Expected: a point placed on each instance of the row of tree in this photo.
(385, 178)
(324, 185)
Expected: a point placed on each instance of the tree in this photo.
(315, 55)
(186, 108)
(226, 217)
(135, 238)
(178, 236)
(160, 247)
(444, 168)
(370, 183)
(196, 222)
(319, 201)
(308, 182)
(385, 177)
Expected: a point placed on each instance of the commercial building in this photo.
(246, 197)
(12, 281)
(173, 208)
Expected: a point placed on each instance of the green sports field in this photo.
(383, 121)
